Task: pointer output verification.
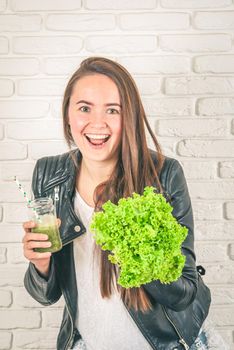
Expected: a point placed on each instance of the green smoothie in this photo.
(53, 236)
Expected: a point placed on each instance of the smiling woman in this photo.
(103, 117)
(94, 116)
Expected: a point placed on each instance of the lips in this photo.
(97, 139)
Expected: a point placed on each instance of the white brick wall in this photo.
(182, 56)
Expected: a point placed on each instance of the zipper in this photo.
(181, 340)
(56, 198)
(72, 327)
(56, 193)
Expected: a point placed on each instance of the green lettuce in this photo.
(143, 237)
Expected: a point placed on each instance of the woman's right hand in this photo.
(36, 240)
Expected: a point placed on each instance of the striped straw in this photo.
(22, 190)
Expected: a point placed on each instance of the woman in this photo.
(104, 118)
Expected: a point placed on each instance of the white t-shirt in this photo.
(104, 323)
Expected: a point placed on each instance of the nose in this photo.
(98, 118)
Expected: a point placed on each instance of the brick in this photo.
(215, 106)
(231, 251)
(15, 254)
(81, 22)
(206, 148)
(222, 316)
(22, 170)
(42, 149)
(6, 87)
(167, 145)
(148, 85)
(16, 212)
(168, 106)
(226, 170)
(5, 298)
(6, 340)
(186, 4)
(51, 318)
(23, 299)
(11, 275)
(10, 192)
(196, 43)
(219, 274)
(229, 210)
(154, 21)
(121, 43)
(222, 295)
(214, 20)
(35, 339)
(56, 109)
(4, 46)
(207, 210)
(11, 319)
(211, 252)
(199, 85)
(45, 5)
(19, 66)
(199, 169)
(3, 256)
(24, 109)
(63, 65)
(1, 131)
(156, 64)
(16, 23)
(214, 190)
(3, 6)
(214, 64)
(13, 151)
(11, 233)
(191, 127)
(55, 45)
(39, 130)
(41, 87)
(119, 5)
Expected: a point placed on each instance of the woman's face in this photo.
(94, 115)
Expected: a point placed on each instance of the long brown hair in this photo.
(135, 168)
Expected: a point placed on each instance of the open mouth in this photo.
(97, 139)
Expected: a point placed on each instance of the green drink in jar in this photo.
(42, 212)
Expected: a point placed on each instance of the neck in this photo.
(97, 172)
(90, 176)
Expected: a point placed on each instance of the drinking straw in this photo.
(22, 190)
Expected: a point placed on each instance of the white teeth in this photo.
(97, 136)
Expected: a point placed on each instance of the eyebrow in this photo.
(106, 104)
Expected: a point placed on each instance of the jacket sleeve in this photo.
(45, 291)
(179, 294)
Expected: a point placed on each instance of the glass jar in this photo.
(42, 212)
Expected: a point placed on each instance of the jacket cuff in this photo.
(37, 276)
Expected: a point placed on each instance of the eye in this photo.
(113, 111)
(84, 109)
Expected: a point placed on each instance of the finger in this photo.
(35, 244)
(35, 256)
(30, 236)
(28, 225)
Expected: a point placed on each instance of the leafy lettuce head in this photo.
(143, 237)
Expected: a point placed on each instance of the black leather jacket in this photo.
(177, 314)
